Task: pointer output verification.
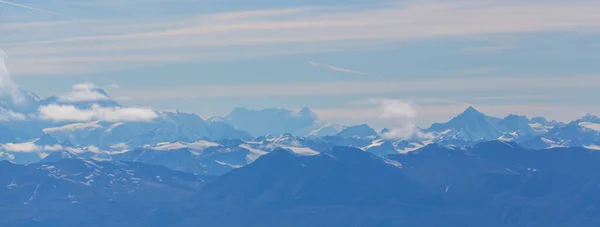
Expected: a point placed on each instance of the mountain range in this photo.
(172, 138)
(84, 159)
(489, 184)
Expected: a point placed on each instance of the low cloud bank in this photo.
(96, 113)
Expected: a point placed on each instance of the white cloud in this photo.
(120, 146)
(336, 69)
(84, 86)
(397, 109)
(402, 114)
(20, 147)
(31, 147)
(55, 147)
(85, 92)
(109, 114)
(407, 131)
(8, 86)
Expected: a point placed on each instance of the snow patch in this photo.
(74, 127)
(545, 140)
(33, 195)
(12, 184)
(303, 151)
(227, 164)
(375, 143)
(254, 153)
(538, 127)
(392, 162)
(113, 126)
(592, 147)
(413, 147)
(589, 125)
(195, 146)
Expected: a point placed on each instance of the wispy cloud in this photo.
(69, 47)
(37, 9)
(335, 68)
(478, 71)
(486, 49)
(512, 97)
(455, 84)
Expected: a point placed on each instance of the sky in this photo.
(343, 59)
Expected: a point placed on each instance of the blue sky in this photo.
(537, 58)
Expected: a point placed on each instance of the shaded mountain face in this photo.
(81, 192)
(489, 184)
(213, 161)
(283, 177)
(222, 130)
(316, 190)
(512, 186)
(271, 121)
(359, 131)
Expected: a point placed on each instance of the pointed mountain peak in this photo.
(384, 131)
(307, 112)
(469, 114)
(471, 110)
(515, 117)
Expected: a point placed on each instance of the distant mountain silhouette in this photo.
(271, 121)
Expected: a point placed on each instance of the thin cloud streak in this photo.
(37, 9)
(279, 30)
(460, 84)
(335, 68)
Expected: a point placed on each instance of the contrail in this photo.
(36, 9)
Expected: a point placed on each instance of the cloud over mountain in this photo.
(110, 114)
(84, 92)
(402, 113)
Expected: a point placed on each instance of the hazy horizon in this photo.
(209, 57)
